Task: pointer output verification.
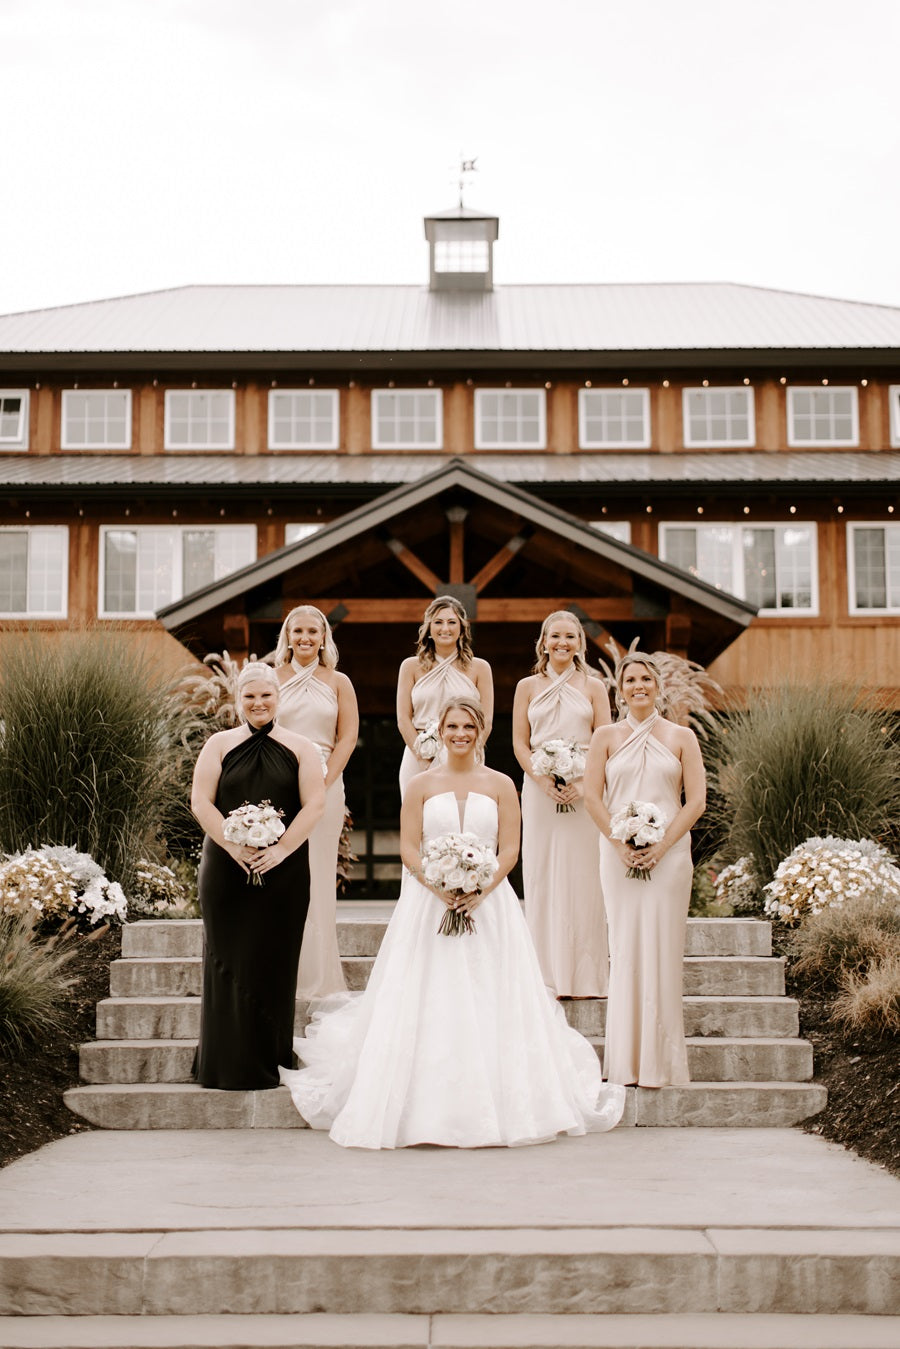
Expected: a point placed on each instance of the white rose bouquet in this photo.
(257, 826)
(561, 760)
(639, 824)
(458, 865)
(428, 742)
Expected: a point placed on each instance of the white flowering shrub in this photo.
(155, 890)
(826, 872)
(738, 886)
(55, 882)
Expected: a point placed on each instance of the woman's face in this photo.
(562, 641)
(305, 637)
(445, 628)
(459, 731)
(639, 687)
(258, 701)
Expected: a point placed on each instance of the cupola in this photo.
(460, 246)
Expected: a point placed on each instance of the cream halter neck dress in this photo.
(309, 706)
(430, 692)
(561, 857)
(647, 923)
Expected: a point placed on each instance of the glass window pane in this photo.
(198, 559)
(155, 569)
(759, 567)
(13, 571)
(120, 571)
(869, 568)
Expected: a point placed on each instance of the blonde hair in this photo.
(639, 658)
(254, 669)
(328, 652)
(425, 652)
(543, 656)
(475, 711)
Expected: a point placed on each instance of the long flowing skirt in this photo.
(320, 962)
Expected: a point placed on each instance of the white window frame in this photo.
(539, 444)
(794, 441)
(378, 395)
(620, 530)
(69, 395)
(736, 442)
(19, 441)
(177, 590)
(852, 606)
(587, 396)
(35, 532)
(737, 557)
(196, 446)
(300, 530)
(894, 396)
(331, 443)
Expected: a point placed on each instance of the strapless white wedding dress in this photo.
(455, 1041)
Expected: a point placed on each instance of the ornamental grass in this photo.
(91, 752)
(801, 761)
(872, 1001)
(33, 985)
(838, 943)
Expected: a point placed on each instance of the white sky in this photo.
(156, 143)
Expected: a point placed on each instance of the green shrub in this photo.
(839, 943)
(872, 1001)
(801, 761)
(91, 754)
(33, 985)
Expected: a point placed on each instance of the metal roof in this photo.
(544, 319)
(455, 474)
(108, 471)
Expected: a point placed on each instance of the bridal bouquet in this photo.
(561, 760)
(458, 865)
(428, 742)
(259, 826)
(639, 824)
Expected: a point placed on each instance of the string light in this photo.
(174, 512)
(221, 510)
(274, 384)
(431, 384)
(824, 381)
(665, 384)
(783, 380)
(864, 383)
(649, 510)
(706, 384)
(587, 384)
(890, 510)
(625, 383)
(746, 510)
(156, 384)
(390, 384)
(312, 382)
(352, 384)
(793, 510)
(193, 384)
(699, 510)
(548, 384)
(746, 380)
(470, 382)
(840, 510)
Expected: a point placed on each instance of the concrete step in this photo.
(709, 1060)
(171, 1018)
(362, 937)
(600, 1271)
(704, 1330)
(705, 976)
(186, 1106)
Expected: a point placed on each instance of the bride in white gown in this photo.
(455, 1041)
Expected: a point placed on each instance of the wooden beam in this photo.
(678, 634)
(500, 560)
(414, 564)
(457, 517)
(528, 610)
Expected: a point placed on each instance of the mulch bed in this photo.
(861, 1072)
(31, 1106)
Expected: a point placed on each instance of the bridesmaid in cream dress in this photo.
(645, 758)
(320, 703)
(562, 699)
(443, 667)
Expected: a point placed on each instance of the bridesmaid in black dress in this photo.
(252, 934)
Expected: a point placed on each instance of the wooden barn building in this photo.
(712, 467)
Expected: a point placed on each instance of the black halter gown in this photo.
(252, 933)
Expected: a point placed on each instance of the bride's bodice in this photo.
(441, 815)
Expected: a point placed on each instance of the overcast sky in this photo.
(157, 143)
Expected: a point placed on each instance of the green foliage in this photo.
(33, 985)
(844, 942)
(91, 751)
(801, 761)
(704, 899)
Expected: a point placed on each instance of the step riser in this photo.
(124, 1061)
(626, 1273)
(184, 938)
(754, 1018)
(703, 977)
(750, 1106)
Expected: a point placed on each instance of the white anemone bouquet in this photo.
(640, 824)
(561, 760)
(428, 742)
(458, 865)
(257, 826)
(824, 873)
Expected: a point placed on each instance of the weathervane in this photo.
(466, 167)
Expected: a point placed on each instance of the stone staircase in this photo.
(748, 1066)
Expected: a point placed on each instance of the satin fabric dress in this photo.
(647, 923)
(455, 1041)
(309, 706)
(429, 694)
(251, 933)
(561, 858)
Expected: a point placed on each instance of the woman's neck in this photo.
(441, 652)
(641, 713)
(305, 664)
(559, 664)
